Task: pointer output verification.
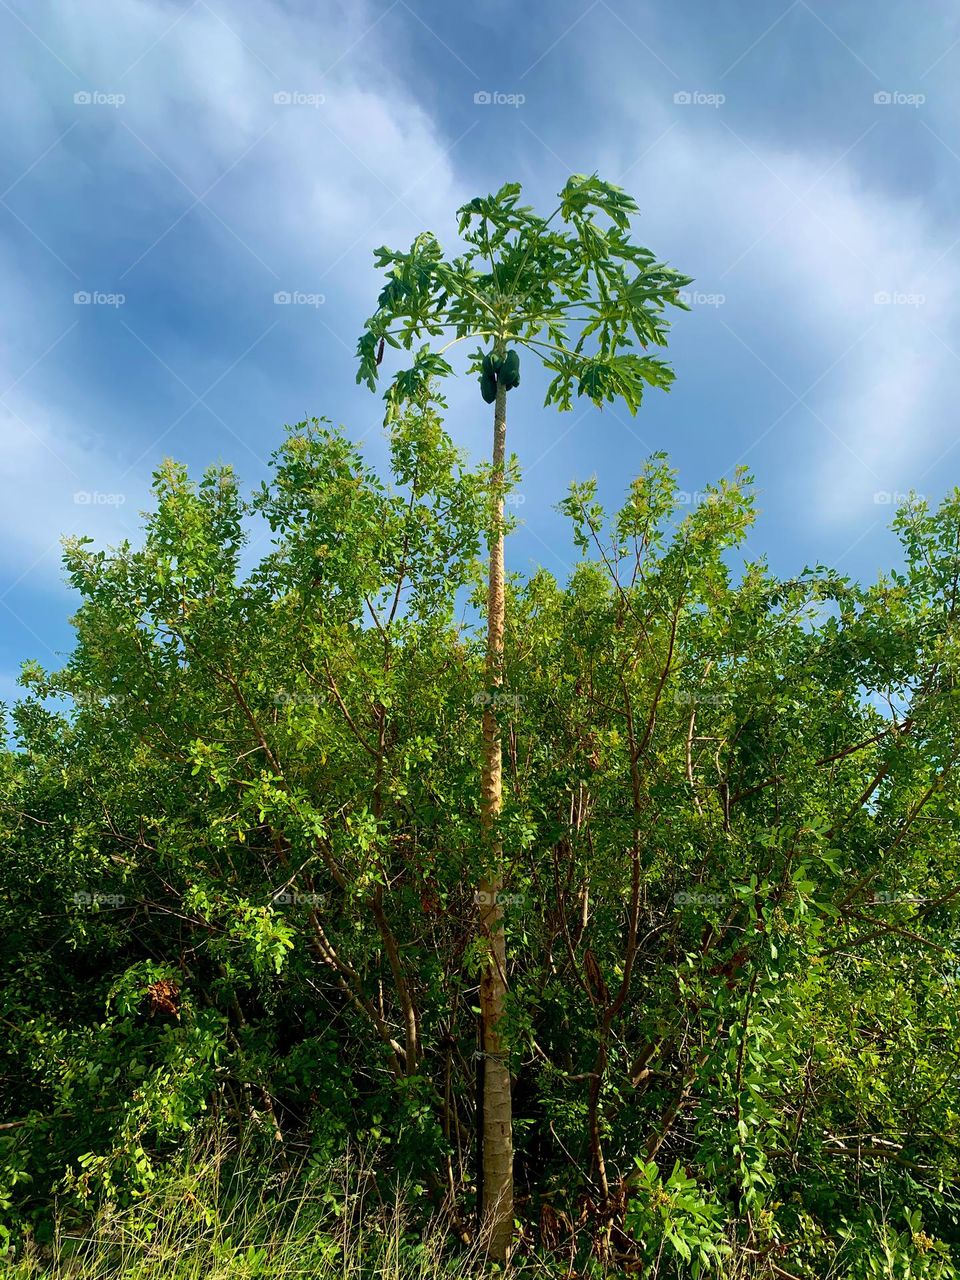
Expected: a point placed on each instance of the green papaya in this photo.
(488, 380)
(510, 370)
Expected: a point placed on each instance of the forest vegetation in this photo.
(369, 909)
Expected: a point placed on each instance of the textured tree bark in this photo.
(497, 1133)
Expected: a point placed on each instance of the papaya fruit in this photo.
(493, 371)
(509, 372)
(488, 380)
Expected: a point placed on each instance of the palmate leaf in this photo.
(491, 207)
(574, 279)
(367, 345)
(657, 281)
(411, 278)
(413, 386)
(605, 378)
(582, 193)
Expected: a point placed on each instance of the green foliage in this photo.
(216, 1214)
(572, 288)
(239, 845)
(675, 1225)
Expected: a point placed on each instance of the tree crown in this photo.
(572, 288)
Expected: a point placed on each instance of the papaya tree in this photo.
(576, 292)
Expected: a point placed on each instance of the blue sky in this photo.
(800, 160)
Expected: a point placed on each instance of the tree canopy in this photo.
(239, 844)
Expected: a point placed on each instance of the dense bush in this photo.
(238, 867)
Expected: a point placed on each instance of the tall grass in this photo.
(218, 1217)
(226, 1213)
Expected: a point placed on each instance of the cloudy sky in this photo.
(181, 162)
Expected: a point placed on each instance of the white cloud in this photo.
(56, 483)
(298, 183)
(801, 279)
(316, 189)
(57, 475)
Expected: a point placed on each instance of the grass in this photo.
(221, 1214)
(217, 1219)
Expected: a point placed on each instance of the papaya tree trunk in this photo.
(497, 1118)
